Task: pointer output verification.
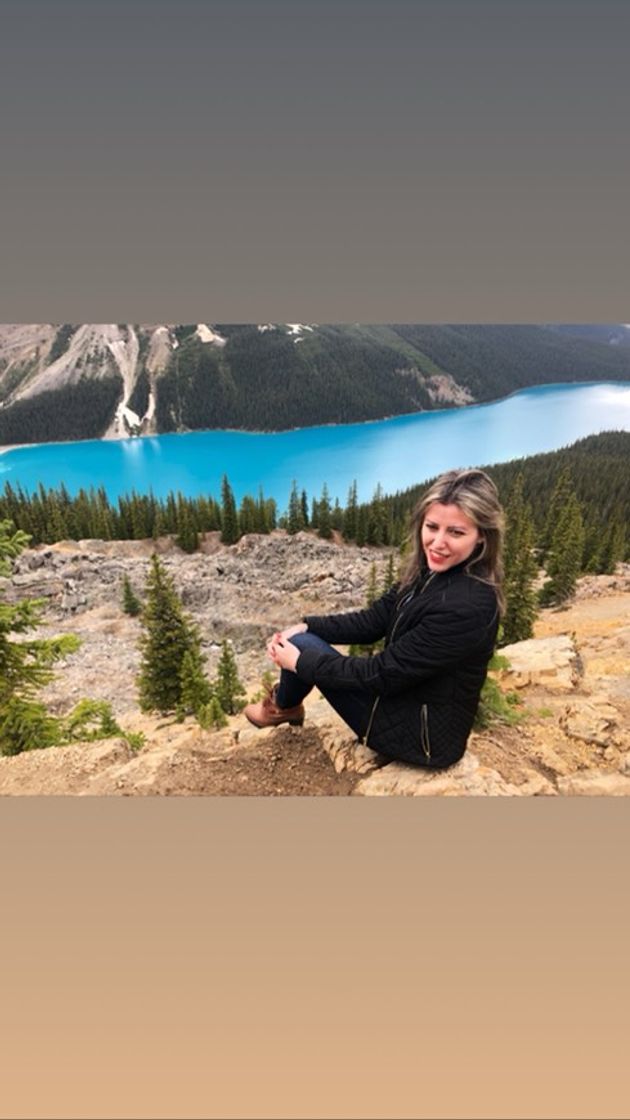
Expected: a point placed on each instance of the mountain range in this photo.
(80, 381)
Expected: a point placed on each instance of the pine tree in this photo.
(350, 514)
(25, 664)
(613, 547)
(159, 524)
(559, 498)
(211, 715)
(248, 515)
(304, 505)
(271, 515)
(139, 522)
(295, 515)
(389, 577)
(564, 559)
(195, 686)
(227, 687)
(377, 519)
(325, 515)
(229, 518)
(371, 596)
(187, 536)
(168, 636)
(90, 719)
(372, 591)
(131, 602)
(520, 568)
(56, 526)
(362, 526)
(262, 516)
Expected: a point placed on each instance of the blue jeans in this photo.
(353, 705)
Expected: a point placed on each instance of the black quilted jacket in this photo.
(439, 638)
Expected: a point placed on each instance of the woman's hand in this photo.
(285, 636)
(282, 653)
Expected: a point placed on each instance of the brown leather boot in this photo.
(266, 713)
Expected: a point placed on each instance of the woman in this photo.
(415, 701)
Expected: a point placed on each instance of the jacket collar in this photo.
(425, 573)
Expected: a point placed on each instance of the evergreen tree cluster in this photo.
(597, 471)
(50, 515)
(265, 380)
(80, 411)
(521, 568)
(172, 677)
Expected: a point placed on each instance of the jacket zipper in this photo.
(391, 638)
(424, 731)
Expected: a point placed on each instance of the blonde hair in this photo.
(476, 495)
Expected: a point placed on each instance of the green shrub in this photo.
(136, 739)
(25, 725)
(211, 716)
(90, 719)
(496, 706)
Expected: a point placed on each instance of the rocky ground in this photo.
(572, 680)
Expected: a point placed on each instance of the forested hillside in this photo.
(81, 411)
(71, 382)
(271, 379)
(484, 358)
(598, 471)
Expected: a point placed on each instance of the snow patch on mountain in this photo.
(207, 334)
(296, 330)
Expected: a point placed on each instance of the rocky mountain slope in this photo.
(572, 679)
(69, 381)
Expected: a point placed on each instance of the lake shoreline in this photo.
(311, 427)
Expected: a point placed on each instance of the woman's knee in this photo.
(309, 641)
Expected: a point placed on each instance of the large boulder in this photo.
(466, 778)
(549, 662)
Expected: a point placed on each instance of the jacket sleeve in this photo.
(441, 639)
(363, 626)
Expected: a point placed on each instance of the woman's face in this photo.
(448, 536)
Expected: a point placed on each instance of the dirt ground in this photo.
(181, 759)
(287, 764)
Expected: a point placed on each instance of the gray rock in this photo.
(591, 722)
(551, 662)
(466, 778)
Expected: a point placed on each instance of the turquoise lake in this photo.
(398, 452)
